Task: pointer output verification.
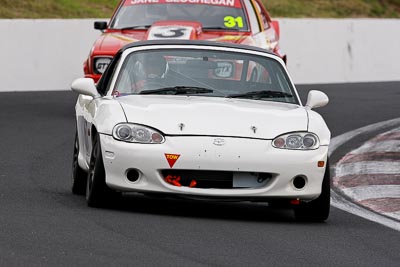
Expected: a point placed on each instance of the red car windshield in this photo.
(212, 14)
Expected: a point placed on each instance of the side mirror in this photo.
(100, 25)
(85, 86)
(316, 99)
(275, 25)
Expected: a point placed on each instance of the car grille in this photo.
(216, 179)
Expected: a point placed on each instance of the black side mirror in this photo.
(100, 25)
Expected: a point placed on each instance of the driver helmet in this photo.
(154, 66)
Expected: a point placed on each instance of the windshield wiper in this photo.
(261, 94)
(178, 90)
(135, 27)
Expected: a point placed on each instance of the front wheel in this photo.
(318, 209)
(98, 194)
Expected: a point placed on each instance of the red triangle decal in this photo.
(172, 158)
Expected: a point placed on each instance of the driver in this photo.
(151, 71)
(155, 66)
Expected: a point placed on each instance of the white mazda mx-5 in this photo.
(202, 120)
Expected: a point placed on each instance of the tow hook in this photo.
(176, 181)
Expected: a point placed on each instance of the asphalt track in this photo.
(43, 224)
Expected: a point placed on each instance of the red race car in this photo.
(235, 21)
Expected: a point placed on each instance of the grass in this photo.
(334, 8)
(57, 8)
(10, 9)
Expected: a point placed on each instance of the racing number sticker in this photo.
(171, 33)
(232, 22)
(168, 32)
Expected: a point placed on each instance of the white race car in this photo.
(201, 120)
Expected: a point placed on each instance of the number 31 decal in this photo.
(232, 22)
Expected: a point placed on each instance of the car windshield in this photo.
(212, 14)
(202, 72)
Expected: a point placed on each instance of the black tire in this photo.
(317, 210)
(79, 176)
(98, 194)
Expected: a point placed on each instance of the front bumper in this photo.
(200, 153)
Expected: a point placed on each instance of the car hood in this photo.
(162, 30)
(212, 116)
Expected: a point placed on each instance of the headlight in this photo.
(300, 141)
(100, 64)
(136, 133)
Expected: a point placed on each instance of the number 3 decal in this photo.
(171, 33)
(231, 22)
(168, 32)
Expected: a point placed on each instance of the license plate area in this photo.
(216, 179)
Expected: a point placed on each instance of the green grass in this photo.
(57, 8)
(334, 8)
(277, 8)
